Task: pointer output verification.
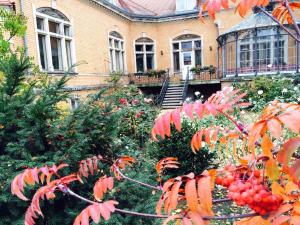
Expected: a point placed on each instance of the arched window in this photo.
(55, 40)
(187, 51)
(116, 52)
(144, 54)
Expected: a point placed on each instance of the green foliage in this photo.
(179, 145)
(211, 69)
(11, 25)
(265, 89)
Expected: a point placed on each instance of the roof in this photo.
(256, 20)
(7, 2)
(149, 7)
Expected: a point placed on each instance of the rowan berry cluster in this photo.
(247, 188)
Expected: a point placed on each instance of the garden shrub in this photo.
(265, 89)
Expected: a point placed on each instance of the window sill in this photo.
(59, 73)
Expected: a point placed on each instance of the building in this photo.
(138, 36)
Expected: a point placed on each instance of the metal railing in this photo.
(160, 98)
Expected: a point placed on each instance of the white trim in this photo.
(122, 53)
(60, 35)
(144, 52)
(180, 51)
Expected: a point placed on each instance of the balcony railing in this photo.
(174, 78)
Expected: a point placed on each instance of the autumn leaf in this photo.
(166, 163)
(285, 154)
(121, 164)
(101, 186)
(31, 177)
(191, 195)
(205, 194)
(89, 166)
(95, 212)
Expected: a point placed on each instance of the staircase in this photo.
(173, 97)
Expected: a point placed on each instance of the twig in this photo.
(122, 211)
(287, 5)
(136, 181)
(281, 25)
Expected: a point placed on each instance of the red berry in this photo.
(257, 198)
(219, 180)
(256, 173)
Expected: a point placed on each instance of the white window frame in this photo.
(186, 5)
(144, 52)
(46, 18)
(181, 51)
(112, 58)
(272, 39)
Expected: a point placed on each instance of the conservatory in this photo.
(257, 46)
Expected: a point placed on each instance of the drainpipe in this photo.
(25, 40)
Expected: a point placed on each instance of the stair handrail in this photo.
(186, 85)
(164, 88)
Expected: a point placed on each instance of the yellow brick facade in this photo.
(92, 23)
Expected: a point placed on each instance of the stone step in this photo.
(174, 93)
(170, 107)
(172, 103)
(172, 90)
(173, 97)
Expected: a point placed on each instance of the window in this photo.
(187, 50)
(116, 52)
(55, 41)
(184, 5)
(264, 54)
(74, 102)
(144, 55)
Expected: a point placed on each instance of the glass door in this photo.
(187, 64)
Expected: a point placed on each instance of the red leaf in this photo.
(101, 187)
(275, 128)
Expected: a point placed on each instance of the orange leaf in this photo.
(170, 218)
(174, 195)
(196, 218)
(191, 195)
(205, 195)
(275, 128)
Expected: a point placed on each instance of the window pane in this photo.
(53, 27)
(40, 23)
(122, 45)
(67, 30)
(56, 53)
(187, 58)
(186, 45)
(118, 61)
(111, 60)
(139, 48)
(69, 55)
(245, 56)
(176, 46)
(150, 61)
(140, 63)
(149, 48)
(176, 61)
(180, 5)
(110, 42)
(197, 44)
(198, 58)
(116, 44)
(43, 55)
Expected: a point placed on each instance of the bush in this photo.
(265, 89)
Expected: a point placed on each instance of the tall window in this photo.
(187, 46)
(116, 52)
(185, 5)
(55, 40)
(265, 53)
(144, 55)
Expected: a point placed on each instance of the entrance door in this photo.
(187, 63)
